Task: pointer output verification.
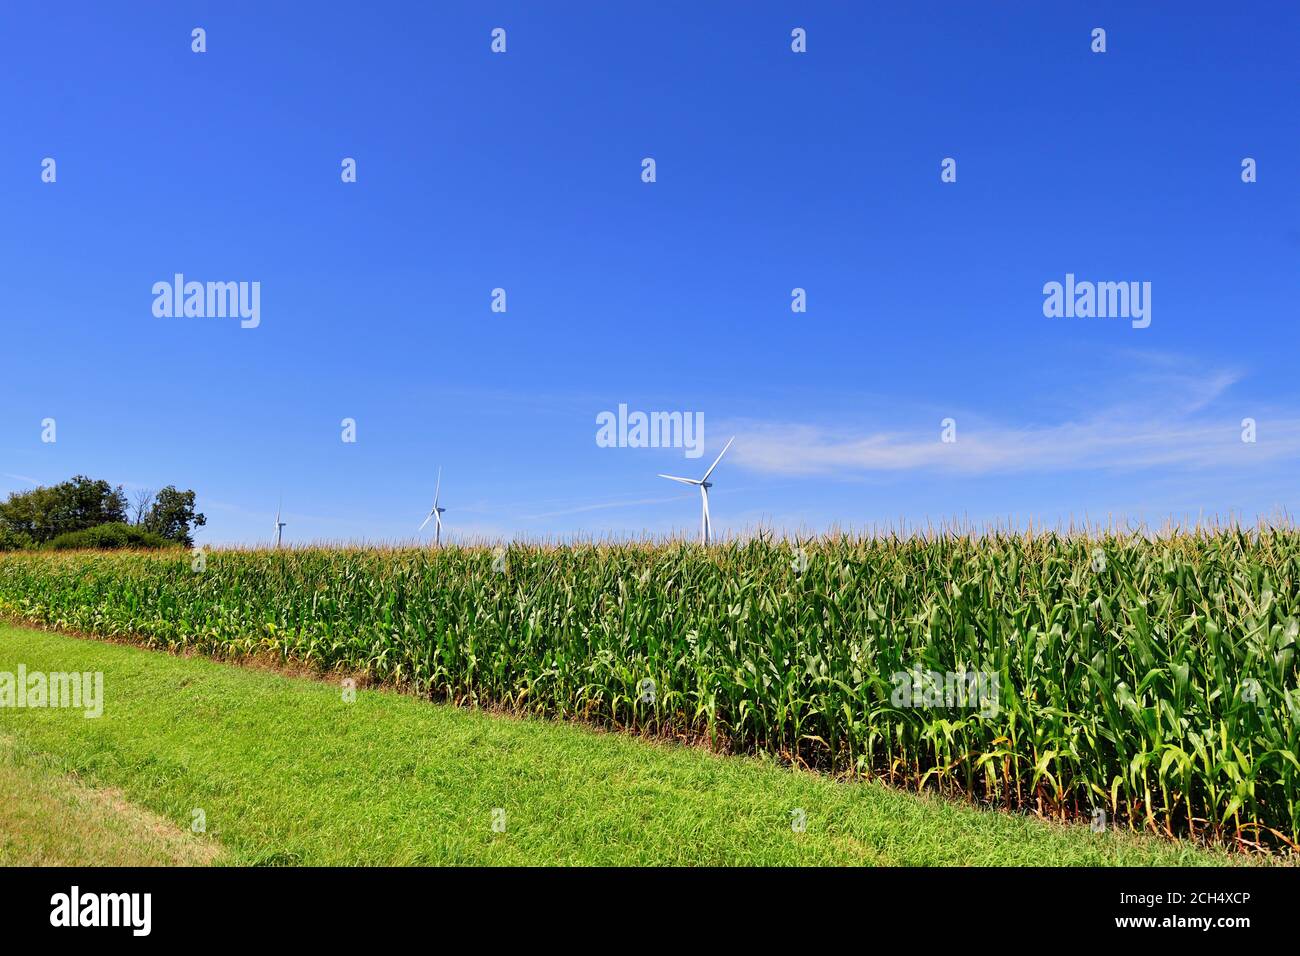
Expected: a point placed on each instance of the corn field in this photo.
(1154, 679)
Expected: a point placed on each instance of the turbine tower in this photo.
(436, 513)
(279, 525)
(706, 528)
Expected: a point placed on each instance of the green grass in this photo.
(49, 819)
(287, 772)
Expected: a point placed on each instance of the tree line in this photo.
(86, 512)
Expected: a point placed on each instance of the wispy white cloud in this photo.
(605, 505)
(1174, 418)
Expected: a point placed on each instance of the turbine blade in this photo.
(718, 459)
(426, 520)
(437, 488)
(685, 481)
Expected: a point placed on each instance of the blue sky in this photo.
(775, 170)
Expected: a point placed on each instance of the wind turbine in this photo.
(705, 527)
(279, 525)
(436, 513)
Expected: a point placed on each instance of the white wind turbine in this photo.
(435, 513)
(279, 525)
(706, 527)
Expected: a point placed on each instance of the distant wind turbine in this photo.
(436, 513)
(279, 525)
(706, 528)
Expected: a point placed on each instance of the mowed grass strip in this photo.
(287, 772)
(48, 819)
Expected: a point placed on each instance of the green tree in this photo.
(11, 540)
(73, 505)
(172, 515)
